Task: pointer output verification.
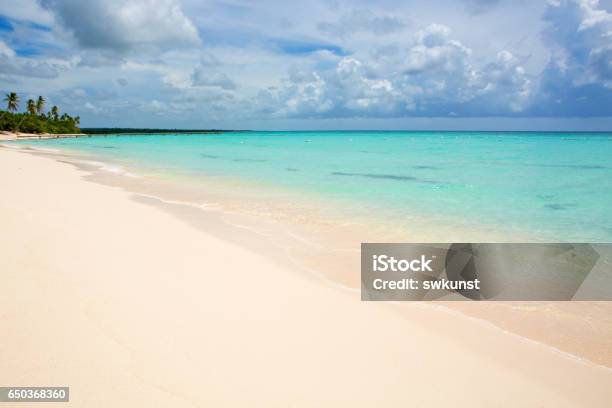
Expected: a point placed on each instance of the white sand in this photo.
(131, 307)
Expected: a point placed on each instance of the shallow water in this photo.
(300, 198)
(549, 186)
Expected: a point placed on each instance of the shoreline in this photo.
(163, 317)
(12, 136)
(577, 328)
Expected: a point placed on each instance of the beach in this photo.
(130, 305)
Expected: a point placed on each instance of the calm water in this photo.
(552, 185)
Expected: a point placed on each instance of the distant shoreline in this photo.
(8, 136)
(144, 131)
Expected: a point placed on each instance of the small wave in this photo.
(522, 338)
(45, 149)
(29, 147)
(11, 146)
(200, 206)
(110, 168)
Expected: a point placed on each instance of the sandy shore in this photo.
(131, 307)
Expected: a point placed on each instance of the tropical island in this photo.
(35, 120)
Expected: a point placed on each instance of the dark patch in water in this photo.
(209, 156)
(250, 160)
(291, 169)
(104, 147)
(425, 167)
(386, 177)
(573, 166)
(546, 196)
(554, 207)
(556, 166)
(377, 176)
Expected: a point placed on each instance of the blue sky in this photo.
(321, 64)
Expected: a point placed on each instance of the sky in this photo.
(317, 64)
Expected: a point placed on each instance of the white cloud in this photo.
(29, 10)
(13, 65)
(124, 26)
(506, 82)
(206, 75)
(347, 89)
(581, 34)
(362, 20)
(435, 50)
(273, 59)
(434, 74)
(6, 51)
(592, 15)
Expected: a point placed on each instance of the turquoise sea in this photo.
(554, 186)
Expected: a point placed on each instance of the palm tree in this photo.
(31, 107)
(12, 102)
(40, 105)
(55, 112)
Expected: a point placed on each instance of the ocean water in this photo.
(551, 186)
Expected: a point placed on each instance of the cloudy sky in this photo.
(317, 64)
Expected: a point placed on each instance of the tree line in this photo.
(35, 119)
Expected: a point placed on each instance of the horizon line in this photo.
(221, 130)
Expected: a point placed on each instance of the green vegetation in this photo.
(34, 119)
